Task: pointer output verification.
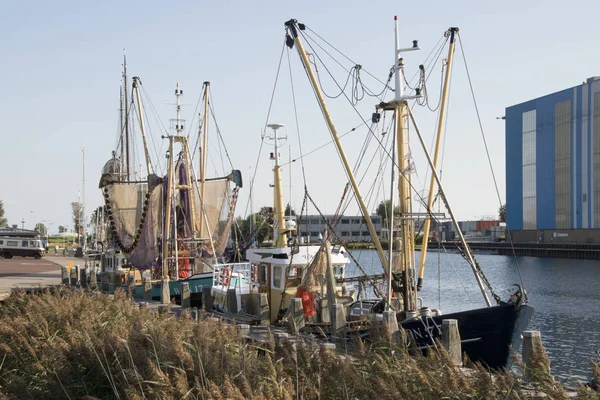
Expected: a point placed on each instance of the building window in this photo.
(375, 220)
(355, 233)
(345, 233)
(356, 221)
(366, 233)
(1, 242)
(345, 221)
(315, 221)
(314, 234)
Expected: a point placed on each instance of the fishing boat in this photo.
(283, 269)
(173, 227)
(486, 333)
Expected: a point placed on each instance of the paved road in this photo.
(21, 272)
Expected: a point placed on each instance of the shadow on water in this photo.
(563, 292)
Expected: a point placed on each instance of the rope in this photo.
(509, 238)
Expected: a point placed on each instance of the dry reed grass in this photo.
(81, 345)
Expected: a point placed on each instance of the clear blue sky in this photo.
(61, 69)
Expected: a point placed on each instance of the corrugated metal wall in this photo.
(529, 170)
(562, 163)
(596, 162)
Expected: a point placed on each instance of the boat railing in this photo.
(231, 275)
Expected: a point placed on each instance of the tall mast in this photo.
(127, 166)
(279, 231)
(293, 29)
(203, 150)
(121, 142)
(136, 89)
(443, 107)
(83, 190)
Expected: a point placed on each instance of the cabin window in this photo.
(12, 243)
(24, 243)
(277, 277)
(262, 274)
(122, 261)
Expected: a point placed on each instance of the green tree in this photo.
(77, 214)
(383, 210)
(502, 213)
(3, 221)
(41, 229)
(289, 211)
(62, 229)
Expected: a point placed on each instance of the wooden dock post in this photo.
(338, 320)
(451, 340)
(207, 299)
(75, 275)
(147, 289)
(231, 300)
(195, 314)
(83, 278)
(93, 279)
(296, 316)
(64, 274)
(263, 309)
(244, 330)
(532, 354)
(391, 323)
(165, 292)
(185, 295)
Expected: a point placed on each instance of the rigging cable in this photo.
(508, 236)
(266, 123)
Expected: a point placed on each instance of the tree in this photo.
(62, 229)
(502, 213)
(41, 229)
(3, 220)
(289, 210)
(383, 210)
(77, 213)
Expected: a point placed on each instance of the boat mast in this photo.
(126, 117)
(203, 149)
(136, 89)
(404, 187)
(443, 107)
(121, 142)
(293, 29)
(279, 231)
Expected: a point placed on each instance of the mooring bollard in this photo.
(451, 340)
(185, 295)
(532, 346)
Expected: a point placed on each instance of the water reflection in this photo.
(563, 292)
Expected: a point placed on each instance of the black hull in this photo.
(486, 334)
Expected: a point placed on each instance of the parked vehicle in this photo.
(24, 247)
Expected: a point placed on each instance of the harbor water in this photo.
(565, 294)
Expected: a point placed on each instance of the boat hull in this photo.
(196, 282)
(487, 334)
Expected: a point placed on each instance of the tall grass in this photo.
(77, 345)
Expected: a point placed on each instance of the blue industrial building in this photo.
(553, 166)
